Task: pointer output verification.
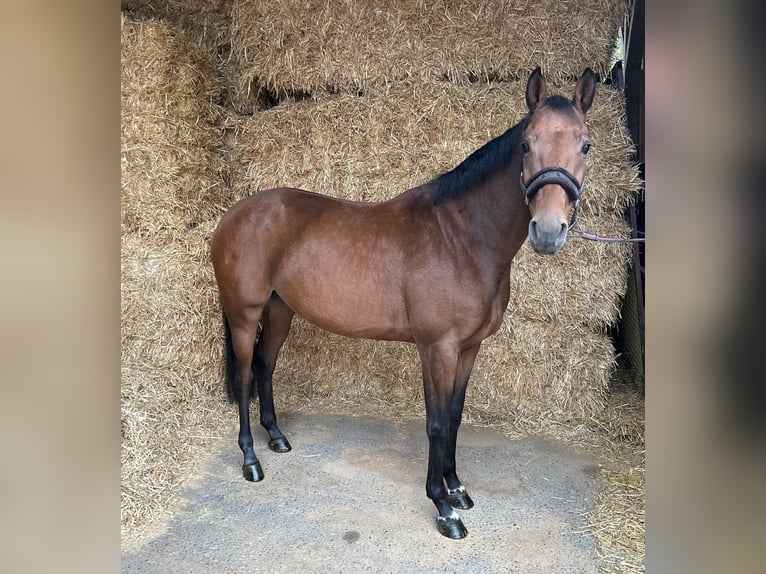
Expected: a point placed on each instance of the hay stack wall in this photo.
(313, 46)
(173, 192)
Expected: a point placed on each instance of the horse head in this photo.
(553, 144)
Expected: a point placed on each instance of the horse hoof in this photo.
(451, 527)
(459, 499)
(280, 445)
(253, 472)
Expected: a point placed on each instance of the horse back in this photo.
(342, 265)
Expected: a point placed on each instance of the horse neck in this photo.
(494, 213)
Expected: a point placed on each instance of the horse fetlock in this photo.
(459, 498)
(459, 490)
(246, 445)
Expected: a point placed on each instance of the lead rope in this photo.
(579, 234)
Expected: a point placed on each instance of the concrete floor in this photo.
(350, 497)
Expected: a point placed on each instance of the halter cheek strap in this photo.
(559, 176)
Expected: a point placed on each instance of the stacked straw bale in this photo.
(173, 192)
(530, 374)
(170, 369)
(173, 166)
(312, 46)
(551, 357)
(206, 22)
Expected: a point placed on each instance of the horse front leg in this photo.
(457, 495)
(439, 368)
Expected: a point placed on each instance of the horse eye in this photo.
(524, 147)
(585, 147)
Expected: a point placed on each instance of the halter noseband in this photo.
(559, 176)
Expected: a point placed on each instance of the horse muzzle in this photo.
(547, 234)
(547, 237)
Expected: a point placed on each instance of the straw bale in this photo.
(403, 134)
(312, 46)
(171, 342)
(374, 147)
(206, 22)
(617, 519)
(533, 371)
(173, 165)
(529, 370)
(584, 283)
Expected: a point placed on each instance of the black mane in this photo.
(478, 166)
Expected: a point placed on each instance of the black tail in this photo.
(233, 382)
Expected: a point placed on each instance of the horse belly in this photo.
(345, 293)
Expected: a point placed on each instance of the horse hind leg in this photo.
(240, 340)
(277, 317)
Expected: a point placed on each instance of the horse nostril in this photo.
(564, 227)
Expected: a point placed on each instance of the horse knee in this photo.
(437, 431)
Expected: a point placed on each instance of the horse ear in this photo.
(537, 91)
(585, 91)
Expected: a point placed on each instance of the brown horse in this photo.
(430, 266)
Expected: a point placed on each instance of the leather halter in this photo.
(558, 176)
